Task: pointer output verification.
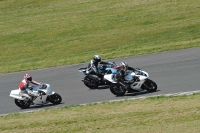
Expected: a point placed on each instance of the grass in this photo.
(39, 34)
(180, 114)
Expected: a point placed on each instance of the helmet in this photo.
(97, 58)
(124, 66)
(28, 77)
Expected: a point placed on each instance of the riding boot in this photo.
(31, 100)
(126, 86)
(40, 96)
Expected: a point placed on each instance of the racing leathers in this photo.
(26, 91)
(94, 64)
(120, 76)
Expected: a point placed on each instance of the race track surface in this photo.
(174, 71)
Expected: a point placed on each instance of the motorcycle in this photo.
(46, 95)
(140, 82)
(92, 80)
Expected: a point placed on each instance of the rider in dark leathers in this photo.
(94, 63)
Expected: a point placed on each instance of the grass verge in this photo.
(180, 114)
(37, 34)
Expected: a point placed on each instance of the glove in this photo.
(43, 86)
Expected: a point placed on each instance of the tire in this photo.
(90, 83)
(150, 86)
(86, 84)
(55, 98)
(22, 104)
(117, 89)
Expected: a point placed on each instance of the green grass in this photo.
(179, 114)
(39, 34)
(45, 33)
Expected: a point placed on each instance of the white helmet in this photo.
(28, 77)
(124, 66)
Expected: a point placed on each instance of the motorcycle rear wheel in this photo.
(22, 104)
(117, 89)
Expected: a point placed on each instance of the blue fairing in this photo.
(109, 67)
(114, 71)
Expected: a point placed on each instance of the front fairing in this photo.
(47, 91)
(141, 73)
(41, 100)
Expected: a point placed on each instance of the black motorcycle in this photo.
(92, 80)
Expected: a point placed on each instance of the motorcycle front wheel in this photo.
(22, 104)
(150, 85)
(90, 82)
(117, 89)
(55, 98)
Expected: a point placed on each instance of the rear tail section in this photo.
(16, 94)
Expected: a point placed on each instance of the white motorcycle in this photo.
(46, 96)
(140, 83)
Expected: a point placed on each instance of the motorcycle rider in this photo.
(94, 62)
(120, 76)
(24, 87)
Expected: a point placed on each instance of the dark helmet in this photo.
(97, 58)
(28, 77)
(124, 66)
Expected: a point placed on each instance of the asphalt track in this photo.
(173, 71)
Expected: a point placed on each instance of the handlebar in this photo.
(43, 86)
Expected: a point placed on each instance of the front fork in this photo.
(124, 86)
(144, 84)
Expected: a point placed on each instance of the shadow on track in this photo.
(42, 106)
(102, 87)
(138, 93)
